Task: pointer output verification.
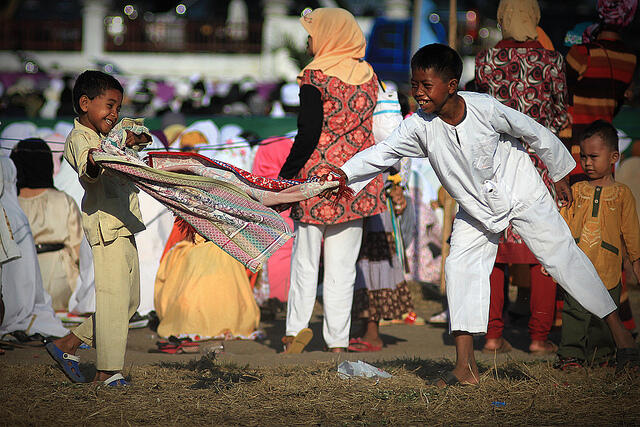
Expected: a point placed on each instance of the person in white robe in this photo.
(472, 142)
(27, 305)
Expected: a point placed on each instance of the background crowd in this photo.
(193, 291)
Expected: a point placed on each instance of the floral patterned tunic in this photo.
(346, 130)
(530, 79)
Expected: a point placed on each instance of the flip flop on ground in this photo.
(116, 380)
(448, 378)
(69, 363)
(295, 345)
(360, 345)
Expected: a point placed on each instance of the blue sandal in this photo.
(116, 380)
(68, 362)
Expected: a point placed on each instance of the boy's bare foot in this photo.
(68, 344)
(103, 375)
(496, 345)
(542, 347)
(464, 376)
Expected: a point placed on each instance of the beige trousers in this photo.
(117, 278)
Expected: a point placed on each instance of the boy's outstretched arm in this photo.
(405, 141)
(543, 142)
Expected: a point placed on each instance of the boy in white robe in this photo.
(472, 143)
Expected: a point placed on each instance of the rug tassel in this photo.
(343, 191)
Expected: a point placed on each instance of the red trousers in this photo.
(542, 303)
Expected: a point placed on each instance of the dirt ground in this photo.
(251, 383)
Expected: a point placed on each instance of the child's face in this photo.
(596, 157)
(101, 111)
(429, 90)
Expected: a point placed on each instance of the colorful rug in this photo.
(222, 203)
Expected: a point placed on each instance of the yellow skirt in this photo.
(200, 289)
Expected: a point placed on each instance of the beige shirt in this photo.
(110, 204)
(54, 218)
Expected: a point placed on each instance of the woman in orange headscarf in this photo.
(338, 92)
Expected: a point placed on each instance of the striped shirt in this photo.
(598, 74)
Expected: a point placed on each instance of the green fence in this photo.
(263, 126)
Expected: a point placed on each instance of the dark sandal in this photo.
(627, 358)
(67, 362)
(447, 378)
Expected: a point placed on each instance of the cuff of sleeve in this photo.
(564, 172)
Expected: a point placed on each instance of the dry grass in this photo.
(207, 392)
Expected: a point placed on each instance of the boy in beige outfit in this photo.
(110, 218)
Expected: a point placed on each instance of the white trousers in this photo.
(341, 248)
(473, 253)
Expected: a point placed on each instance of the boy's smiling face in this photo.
(429, 89)
(101, 112)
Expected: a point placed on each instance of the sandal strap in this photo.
(114, 377)
(68, 356)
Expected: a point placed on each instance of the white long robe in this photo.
(484, 171)
(27, 305)
(484, 167)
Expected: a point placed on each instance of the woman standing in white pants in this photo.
(338, 92)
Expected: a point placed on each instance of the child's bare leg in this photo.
(621, 335)
(69, 343)
(466, 369)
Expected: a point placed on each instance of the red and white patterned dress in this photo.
(346, 130)
(530, 79)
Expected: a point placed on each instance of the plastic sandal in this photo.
(68, 362)
(299, 342)
(116, 380)
(627, 358)
(359, 345)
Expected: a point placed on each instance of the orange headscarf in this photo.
(338, 45)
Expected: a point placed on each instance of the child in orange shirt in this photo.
(602, 219)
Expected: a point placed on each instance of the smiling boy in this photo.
(472, 142)
(110, 217)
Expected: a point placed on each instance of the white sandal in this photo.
(116, 380)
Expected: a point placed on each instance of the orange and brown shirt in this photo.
(602, 220)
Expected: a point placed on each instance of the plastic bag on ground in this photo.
(348, 369)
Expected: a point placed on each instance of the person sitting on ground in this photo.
(603, 220)
(54, 219)
(472, 142)
(28, 315)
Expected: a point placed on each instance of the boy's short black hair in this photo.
(444, 60)
(93, 83)
(605, 131)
